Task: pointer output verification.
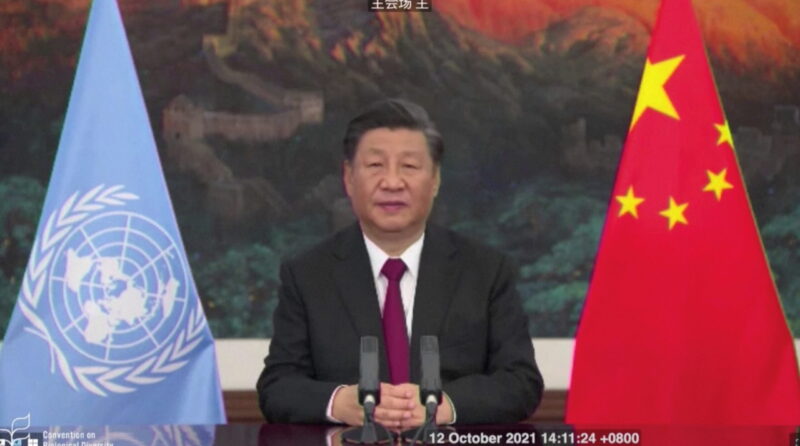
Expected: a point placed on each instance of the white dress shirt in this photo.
(408, 283)
(408, 287)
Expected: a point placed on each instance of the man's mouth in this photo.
(391, 206)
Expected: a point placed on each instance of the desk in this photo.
(513, 434)
(535, 434)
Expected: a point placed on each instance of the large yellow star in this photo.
(724, 134)
(675, 213)
(717, 183)
(629, 203)
(651, 91)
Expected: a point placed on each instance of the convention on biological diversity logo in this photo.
(20, 434)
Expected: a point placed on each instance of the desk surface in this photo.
(554, 435)
(513, 434)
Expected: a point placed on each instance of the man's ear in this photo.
(347, 176)
(438, 181)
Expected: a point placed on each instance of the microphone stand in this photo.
(368, 433)
(369, 395)
(430, 394)
(427, 433)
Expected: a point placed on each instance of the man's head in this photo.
(391, 169)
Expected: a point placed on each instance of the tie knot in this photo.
(393, 269)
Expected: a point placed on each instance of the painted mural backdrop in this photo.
(249, 98)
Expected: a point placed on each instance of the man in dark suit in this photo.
(394, 276)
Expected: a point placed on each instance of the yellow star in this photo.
(629, 203)
(675, 213)
(717, 183)
(724, 134)
(651, 91)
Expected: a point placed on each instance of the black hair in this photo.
(393, 114)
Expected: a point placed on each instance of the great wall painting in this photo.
(249, 98)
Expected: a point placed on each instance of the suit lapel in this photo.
(438, 271)
(356, 287)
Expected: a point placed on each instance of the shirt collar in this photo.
(411, 256)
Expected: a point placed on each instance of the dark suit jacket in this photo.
(465, 295)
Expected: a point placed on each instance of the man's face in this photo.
(392, 181)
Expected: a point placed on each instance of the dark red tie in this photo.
(394, 323)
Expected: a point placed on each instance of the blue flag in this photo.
(108, 327)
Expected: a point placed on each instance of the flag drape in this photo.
(108, 327)
(682, 323)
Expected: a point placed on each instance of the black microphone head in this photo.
(369, 381)
(431, 382)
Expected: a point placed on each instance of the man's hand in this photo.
(444, 413)
(397, 404)
(345, 407)
(400, 408)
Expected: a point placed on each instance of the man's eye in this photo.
(374, 164)
(411, 166)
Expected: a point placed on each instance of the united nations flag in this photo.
(108, 327)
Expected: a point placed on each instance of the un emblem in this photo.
(118, 287)
(118, 312)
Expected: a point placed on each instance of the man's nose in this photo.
(393, 179)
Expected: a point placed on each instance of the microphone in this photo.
(369, 396)
(430, 393)
(430, 386)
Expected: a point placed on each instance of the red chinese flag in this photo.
(682, 323)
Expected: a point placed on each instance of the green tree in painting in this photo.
(551, 228)
(557, 282)
(237, 290)
(782, 239)
(20, 205)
